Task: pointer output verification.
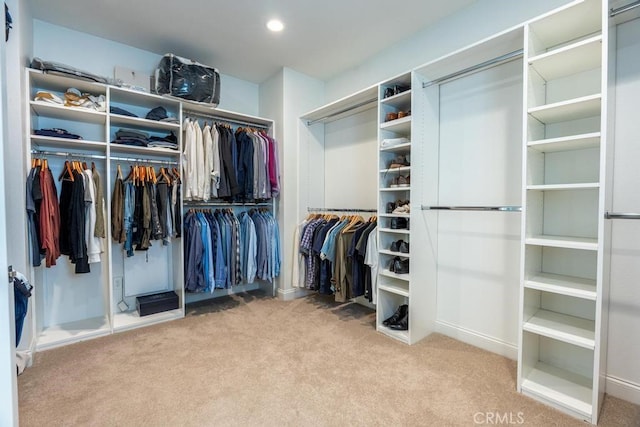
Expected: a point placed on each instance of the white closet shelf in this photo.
(570, 59)
(584, 243)
(395, 189)
(559, 387)
(398, 289)
(560, 187)
(120, 120)
(572, 109)
(131, 319)
(566, 143)
(402, 125)
(402, 169)
(406, 147)
(401, 100)
(400, 254)
(44, 81)
(51, 141)
(395, 231)
(389, 273)
(572, 22)
(392, 215)
(399, 335)
(562, 327)
(148, 151)
(564, 285)
(122, 95)
(70, 332)
(76, 114)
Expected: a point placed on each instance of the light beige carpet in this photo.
(251, 360)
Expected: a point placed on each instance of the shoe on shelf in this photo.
(401, 312)
(399, 162)
(399, 223)
(390, 207)
(401, 181)
(400, 246)
(399, 265)
(390, 116)
(402, 207)
(401, 324)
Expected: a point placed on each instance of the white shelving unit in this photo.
(562, 349)
(72, 307)
(394, 289)
(160, 268)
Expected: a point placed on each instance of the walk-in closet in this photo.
(430, 212)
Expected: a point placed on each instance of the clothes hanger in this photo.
(93, 167)
(118, 172)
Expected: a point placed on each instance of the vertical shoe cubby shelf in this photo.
(562, 350)
(394, 136)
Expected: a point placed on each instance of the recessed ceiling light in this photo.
(275, 25)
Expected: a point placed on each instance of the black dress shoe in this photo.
(399, 314)
(399, 223)
(400, 266)
(402, 324)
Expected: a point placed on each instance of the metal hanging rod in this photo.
(508, 57)
(68, 155)
(340, 210)
(102, 157)
(622, 9)
(474, 208)
(344, 110)
(194, 114)
(157, 162)
(202, 203)
(620, 215)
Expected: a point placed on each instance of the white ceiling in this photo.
(322, 38)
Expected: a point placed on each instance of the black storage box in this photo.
(156, 303)
(187, 79)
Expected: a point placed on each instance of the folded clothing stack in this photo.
(169, 141)
(160, 114)
(142, 139)
(73, 98)
(57, 133)
(131, 137)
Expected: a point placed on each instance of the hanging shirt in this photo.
(94, 245)
(371, 259)
(189, 161)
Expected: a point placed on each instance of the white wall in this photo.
(60, 44)
(481, 19)
(623, 367)
(285, 97)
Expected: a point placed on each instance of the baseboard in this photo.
(477, 339)
(623, 389)
(293, 293)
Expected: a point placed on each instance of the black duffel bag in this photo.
(187, 79)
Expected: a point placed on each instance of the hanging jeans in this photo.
(21, 294)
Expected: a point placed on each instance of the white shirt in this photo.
(371, 259)
(189, 161)
(207, 141)
(200, 169)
